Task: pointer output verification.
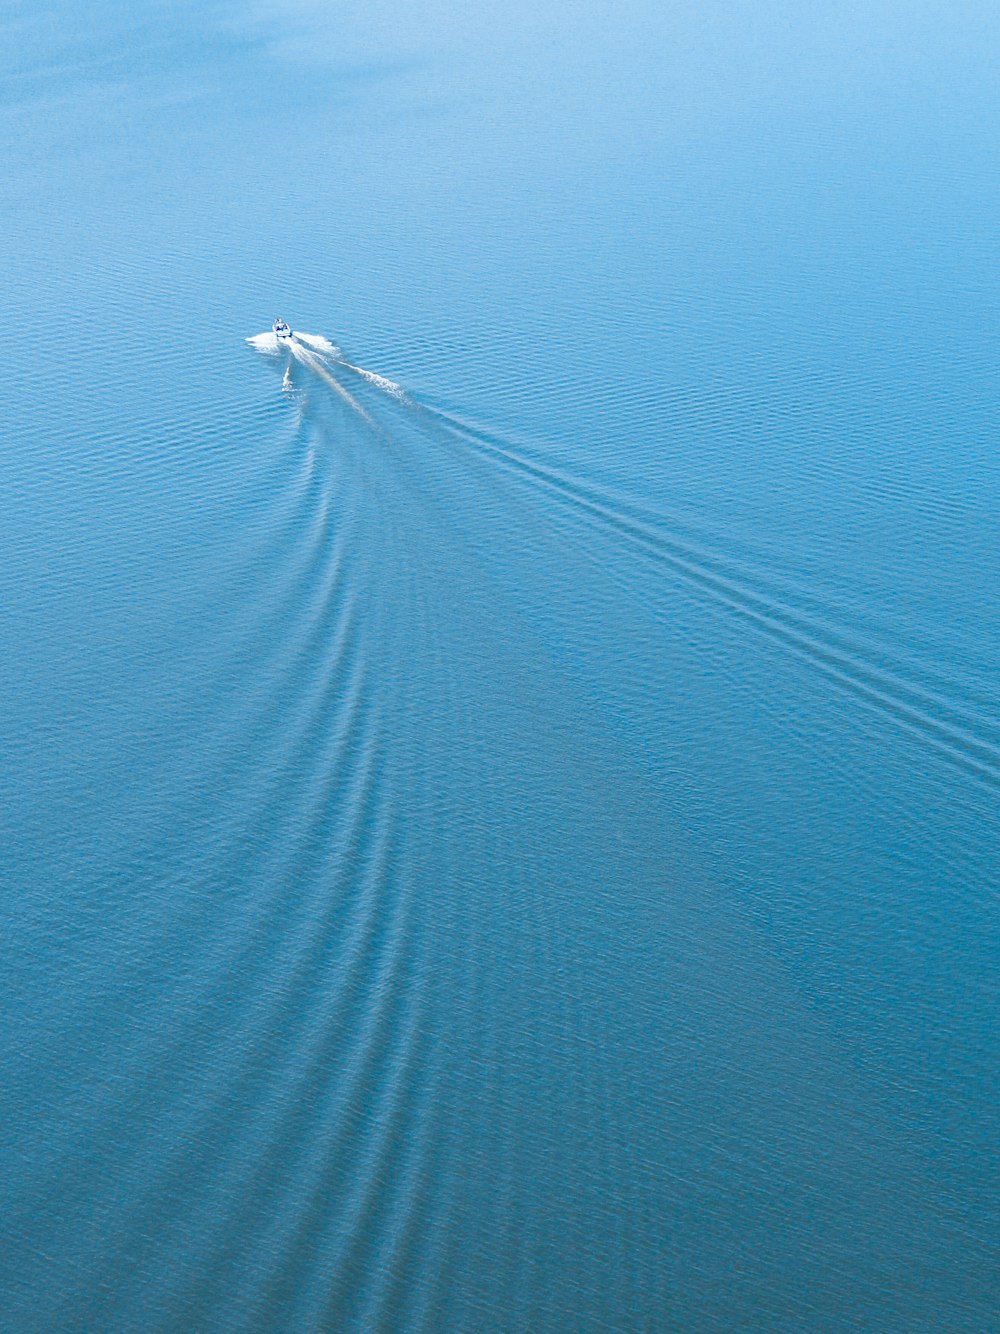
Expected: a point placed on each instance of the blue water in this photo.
(511, 846)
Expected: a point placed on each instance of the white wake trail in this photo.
(380, 381)
(315, 351)
(313, 362)
(318, 342)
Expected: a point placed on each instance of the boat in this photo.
(281, 329)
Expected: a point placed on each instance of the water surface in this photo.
(499, 801)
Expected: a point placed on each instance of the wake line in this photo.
(393, 389)
(953, 735)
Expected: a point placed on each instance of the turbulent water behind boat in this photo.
(499, 818)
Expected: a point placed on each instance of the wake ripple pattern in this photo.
(864, 665)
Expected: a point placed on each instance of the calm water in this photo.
(509, 846)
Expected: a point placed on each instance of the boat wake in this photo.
(318, 355)
(863, 662)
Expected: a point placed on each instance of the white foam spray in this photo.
(318, 342)
(265, 342)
